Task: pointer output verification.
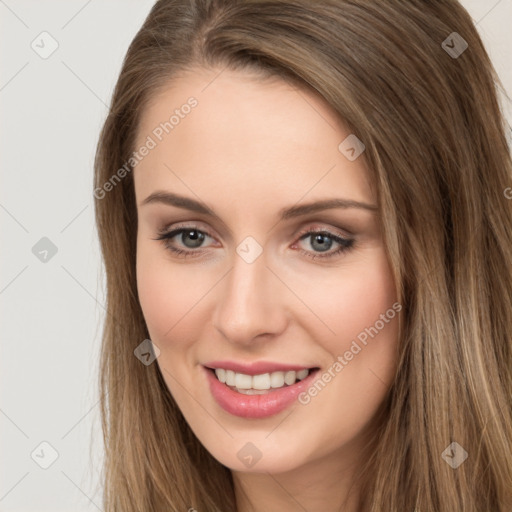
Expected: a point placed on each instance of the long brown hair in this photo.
(427, 109)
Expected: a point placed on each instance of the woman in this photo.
(307, 239)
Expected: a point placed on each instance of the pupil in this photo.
(195, 236)
(324, 241)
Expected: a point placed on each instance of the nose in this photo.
(250, 303)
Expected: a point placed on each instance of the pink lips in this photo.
(255, 406)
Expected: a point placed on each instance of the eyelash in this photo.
(345, 244)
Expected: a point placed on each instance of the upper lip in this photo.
(257, 367)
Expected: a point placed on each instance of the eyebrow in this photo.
(170, 199)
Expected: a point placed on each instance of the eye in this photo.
(189, 236)
(321, 241)
(187, 241)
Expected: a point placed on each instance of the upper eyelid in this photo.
(180, 228)
(305, 226)
(315, 218)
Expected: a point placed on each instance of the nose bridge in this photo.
(249, 299)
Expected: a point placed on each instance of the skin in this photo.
(250, 148)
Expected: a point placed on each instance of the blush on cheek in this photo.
(170, 301)
(348, 306)
(157, 298)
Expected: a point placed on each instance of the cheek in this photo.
(359, 330)
(349, 300)
(368, 295)
(165, 292)
(174, 299)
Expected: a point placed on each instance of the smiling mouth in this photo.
(260, 384)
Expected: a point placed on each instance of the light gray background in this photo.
(52, 110)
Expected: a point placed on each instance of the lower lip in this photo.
(256, 406)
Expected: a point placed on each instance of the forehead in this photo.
(246, 135)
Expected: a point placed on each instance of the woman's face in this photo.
(268, 281)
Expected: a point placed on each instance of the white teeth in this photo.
(252, 391)
(258, 384)
(302, 374)
(221, 374)
(243, 381)
(290, 377)
(261, 381)
(277, 379)
(230, 377)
